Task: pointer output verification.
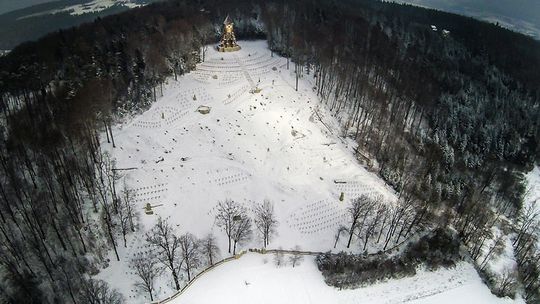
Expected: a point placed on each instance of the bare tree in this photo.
(242, 231)
(528, 219)
(205, 32)
(279, 259)
(228, 212)
(496, 247)
(147, 270)
(340, 230)
(104, 187)
(190, 253)
(372, 224)
(265, 221)
(162, 237)
(99, 292)
(296, 257)
(507, 283)
(398, 215)
(209, 248)
(356, 209)
(123, 222)
(367, 210)
(128, 197)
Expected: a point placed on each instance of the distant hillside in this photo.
(33, 22)
(518, 15)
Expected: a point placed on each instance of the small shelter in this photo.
(203, 109)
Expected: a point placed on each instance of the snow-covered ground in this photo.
(532, 194)
(255, 279)
(93, 6)
(279, 144)
(96, 6)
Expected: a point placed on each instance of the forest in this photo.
(450, 121)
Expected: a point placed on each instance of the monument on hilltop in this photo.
(228, 41)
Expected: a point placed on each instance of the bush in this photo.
(344, 270)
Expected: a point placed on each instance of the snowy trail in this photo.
(246, 74)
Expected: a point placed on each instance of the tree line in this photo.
(63, 204)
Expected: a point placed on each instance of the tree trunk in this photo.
(112, 137)
(351, 231)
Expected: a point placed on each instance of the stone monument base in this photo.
(228, 48)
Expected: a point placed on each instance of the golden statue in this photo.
(228, 41)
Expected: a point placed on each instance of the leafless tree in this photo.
(496, 247)
(123, 221)
(528, 219)
(340, 230)
(128, 197)
(190, 253)
(104, 165)
(397, 215)
(209, 248)
(147, 270)
(162, 237)
(265, 221)
(242, 231)
(228, 212)
(359, 206)
(355, 210)
(296, 257)
(205, 32)
(368, 208)
(372, 224)
(99, 292)
(506, 284)
(279, 259)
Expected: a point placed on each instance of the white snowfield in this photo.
(255, 279)
(532, 195)
(278, 144)
(95, 6)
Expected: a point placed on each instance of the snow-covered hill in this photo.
(98, 5)
(92, 6)
(279, 144)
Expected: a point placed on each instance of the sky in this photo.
(11, 5)
(518, 15)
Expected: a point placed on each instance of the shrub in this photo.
(344, 270)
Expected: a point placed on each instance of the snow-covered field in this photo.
(532, 194)
(93, 6)
(255, 279)
(279, 144)
(96, 6)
